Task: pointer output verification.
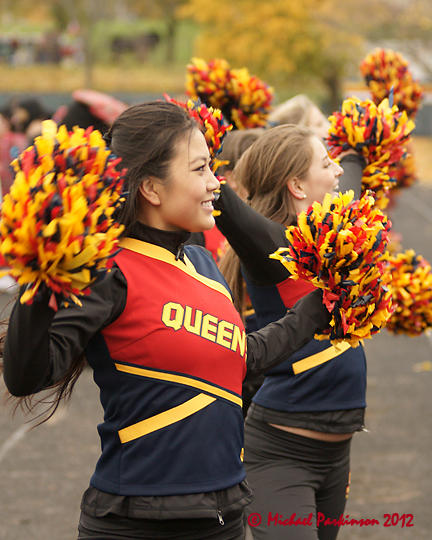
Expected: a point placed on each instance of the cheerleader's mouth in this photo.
(208, 205)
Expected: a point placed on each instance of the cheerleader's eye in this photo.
(203, 166)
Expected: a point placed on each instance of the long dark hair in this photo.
(144, 136)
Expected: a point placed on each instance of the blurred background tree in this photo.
(312, 46)
(313, 42)
(408, 23)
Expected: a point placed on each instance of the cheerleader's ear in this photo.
(295, 187)
(149, 189)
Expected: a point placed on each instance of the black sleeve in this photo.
(353, 165)
(252, 236)
(278, 340)
(42, 344)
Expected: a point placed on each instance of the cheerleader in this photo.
(300, 424)
(167, 347)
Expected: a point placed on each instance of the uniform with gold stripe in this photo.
(170, 369)
(317, 377)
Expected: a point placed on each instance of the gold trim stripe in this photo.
(188, 381)
(166, 418)
(162, 254)
(320, 358)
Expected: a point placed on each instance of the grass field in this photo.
(108, 78)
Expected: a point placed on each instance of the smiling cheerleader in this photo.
(167, 347)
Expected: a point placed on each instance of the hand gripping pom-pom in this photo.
(57, 224)
(338, 246)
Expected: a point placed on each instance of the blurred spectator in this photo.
(48, 49)
(90, 108)
(26, 117)
(140, 45)
(302, 111)
(11, 144)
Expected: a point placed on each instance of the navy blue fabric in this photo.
(337, 384)
(266, 301)
(202, 260)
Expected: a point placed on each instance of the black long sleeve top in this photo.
(254, 237)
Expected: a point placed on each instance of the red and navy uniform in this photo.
(304, 382)
(317, 377)
(170, 370)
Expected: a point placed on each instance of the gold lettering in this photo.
(239, 340)
(167, 318)
(224, 334)
(209, 325)
(196, 327)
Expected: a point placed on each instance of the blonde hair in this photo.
(294, 111)
(279, 154)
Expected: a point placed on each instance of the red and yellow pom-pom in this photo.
(57, 223)
(386, 73)
(404, 172)
(212, 122)
(338, 246)
(379, 133)
(245, 100)
(209, 81)
(254, 98)
(409, 278)
(379, 183)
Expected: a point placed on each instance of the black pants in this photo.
(294, 478)
(112, 527)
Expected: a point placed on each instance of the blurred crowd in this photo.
(21, 120)
(50, 47)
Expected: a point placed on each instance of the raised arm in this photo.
(353, 164)
(252, 236)
(42, 344)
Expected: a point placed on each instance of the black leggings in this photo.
(294, 478)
